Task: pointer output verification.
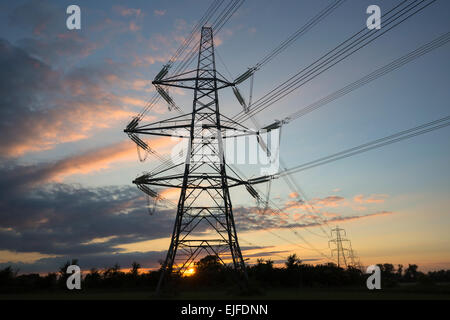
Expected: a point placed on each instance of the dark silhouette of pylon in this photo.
(204, 202)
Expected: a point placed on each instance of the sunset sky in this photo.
(66, 166)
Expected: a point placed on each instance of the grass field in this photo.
(437, 292)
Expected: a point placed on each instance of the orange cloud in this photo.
(127, 11)
(89, 161)
(142, 85)
(351, 218)
(294, 205)
(95, 160)
(102, 158)
(375, 198)
(170, 194)
(57, 126)
(144, 61)
(133, 101)
(330, 201)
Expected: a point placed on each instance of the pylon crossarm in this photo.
(189, 83)
(176, 76)
(180, 127)
(191, 76)
(195, 181)
(174, 131)
(180, 120)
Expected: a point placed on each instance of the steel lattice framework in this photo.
(204, 203)
(345, 254)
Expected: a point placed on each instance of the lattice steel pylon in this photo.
(204, 223)
(344, 253)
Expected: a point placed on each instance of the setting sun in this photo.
(189, 272)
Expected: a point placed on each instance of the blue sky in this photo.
(67, 95)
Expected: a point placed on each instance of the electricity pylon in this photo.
(204, 223)
(344, 253)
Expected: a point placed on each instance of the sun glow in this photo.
(189, 272)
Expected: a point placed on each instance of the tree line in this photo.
(210, 273)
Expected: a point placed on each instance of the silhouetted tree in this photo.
(63, 272)
(50, 281)
(411, 273)
(93, 279)
(7, 276)
(135, 268)
(293, 262)
(388, 275)
(210, 271)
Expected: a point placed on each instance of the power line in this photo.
(332, 58)
(298, 33)
(411, 56)
(210, 12)
(292, 185)
(396, 137)
(222, 17)
(220, 21)
(291, 228)
(436, 43)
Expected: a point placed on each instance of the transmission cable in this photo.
(411, 56)
(305, 75)
(396, 137)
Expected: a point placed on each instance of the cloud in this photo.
(148, 259)
(293, 195)
(42, 107)
(224, 34)
(356, 203)
(126, 12)
(49, 39)
(90, 161)
(250, 218)
(68, 46)
(40, 18)
(146, 60)
(374, 198)
(159, 12)
(261, 254)
(142, 85)
(47, 99)
(61, 219)
(135, 17)
(357, 217)
(329, 201)
(133, 26)
(127, 100)
(171, 194)
(67, 221)
(102, 158)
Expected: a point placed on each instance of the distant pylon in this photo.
(343, 248)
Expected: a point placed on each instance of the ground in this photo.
(404, 292)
